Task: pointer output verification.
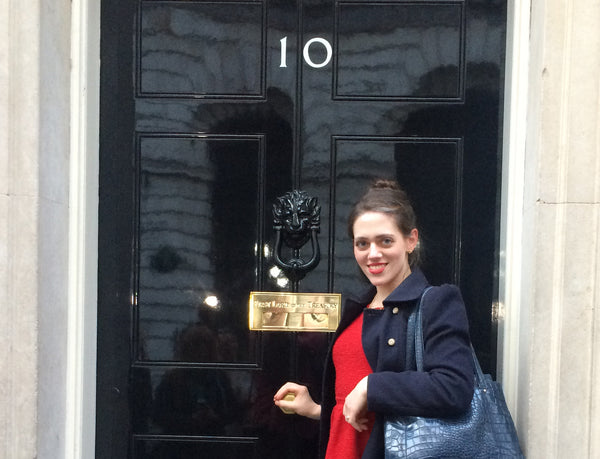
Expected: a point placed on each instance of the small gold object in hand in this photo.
(289, 397)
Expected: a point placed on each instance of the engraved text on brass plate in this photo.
(284, 311)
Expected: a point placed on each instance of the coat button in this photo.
(391, 342)
(395, 310)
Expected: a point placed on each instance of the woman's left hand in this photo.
(355, 406)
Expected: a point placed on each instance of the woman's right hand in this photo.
(303, 404)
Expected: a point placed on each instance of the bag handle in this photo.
(415, 344)
(411, 338)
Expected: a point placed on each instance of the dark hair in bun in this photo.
(386, 196)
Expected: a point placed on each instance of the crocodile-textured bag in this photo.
(486, 430)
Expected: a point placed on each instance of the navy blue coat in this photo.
(444, 388)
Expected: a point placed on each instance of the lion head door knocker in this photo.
(296, 220)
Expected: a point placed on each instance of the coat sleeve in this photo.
(445, 387)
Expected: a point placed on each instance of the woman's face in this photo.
(381, 250)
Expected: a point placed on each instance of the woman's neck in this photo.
(377, 301)
(382, 292)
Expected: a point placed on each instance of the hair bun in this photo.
(385, 184)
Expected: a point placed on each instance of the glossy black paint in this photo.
(201, 131)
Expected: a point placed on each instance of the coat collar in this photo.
(410, 289)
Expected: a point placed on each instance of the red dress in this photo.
(350, 367)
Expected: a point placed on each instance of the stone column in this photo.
(34, 173)
(562, 203)
(19, 212)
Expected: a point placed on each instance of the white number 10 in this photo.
(306, 52)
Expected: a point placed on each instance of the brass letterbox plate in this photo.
(284, 311)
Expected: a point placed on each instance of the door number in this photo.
(306, 52)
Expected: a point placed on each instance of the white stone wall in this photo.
(34, 175)
(53, 225)
(559, 397)
(19, 204)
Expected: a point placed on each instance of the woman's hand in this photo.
(302, 404)
(355, 406)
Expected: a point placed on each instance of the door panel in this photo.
(193, 202)
(212, 109)
(201, 49)
(409, 45)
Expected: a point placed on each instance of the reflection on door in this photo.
(210, 111)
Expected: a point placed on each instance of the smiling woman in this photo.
(366, 374)
(381, 252)
(386, 197)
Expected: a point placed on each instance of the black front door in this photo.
(212, 109)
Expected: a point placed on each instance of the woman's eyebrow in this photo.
(377, 236)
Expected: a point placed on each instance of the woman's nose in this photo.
(374, 251)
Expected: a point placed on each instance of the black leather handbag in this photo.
(486, 430)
